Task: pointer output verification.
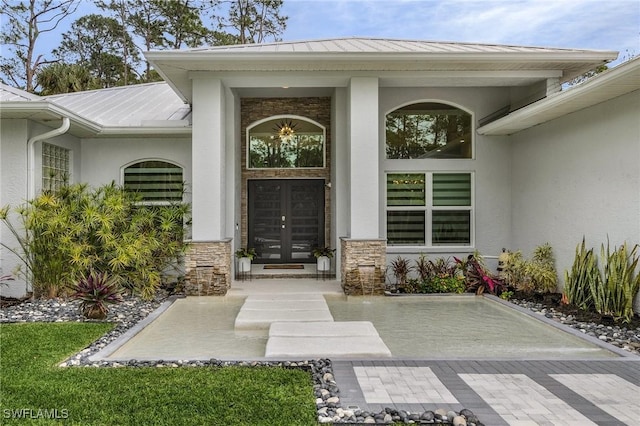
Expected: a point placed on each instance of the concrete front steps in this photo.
(304, 340)
(301, 326)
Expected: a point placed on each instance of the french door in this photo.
(286, 219)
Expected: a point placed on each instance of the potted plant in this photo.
(245, 255)
(323, 257)
(96, 291)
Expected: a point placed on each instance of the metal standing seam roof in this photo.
(127, 106)
(376, 45)
(11, 94)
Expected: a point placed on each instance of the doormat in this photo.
(283, 266)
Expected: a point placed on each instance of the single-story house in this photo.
(375, 147)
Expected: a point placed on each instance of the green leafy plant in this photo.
(619, 284)
(64, 235)
(323, 251)
(96, 291)
(448, 284)
(537, 275)
(584, 275)
(610, 289)
(506, 295)
(249, 252)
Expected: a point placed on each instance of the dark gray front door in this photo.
(286, 219)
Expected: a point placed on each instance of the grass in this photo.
(31, 380)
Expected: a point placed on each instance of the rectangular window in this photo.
(429, 209)
(55, 167)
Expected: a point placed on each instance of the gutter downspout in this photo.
(31, 154)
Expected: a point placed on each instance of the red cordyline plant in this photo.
(96, 291)
(477, 278)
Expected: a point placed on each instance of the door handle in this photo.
(283, 218)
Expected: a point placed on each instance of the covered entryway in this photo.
(286, 219)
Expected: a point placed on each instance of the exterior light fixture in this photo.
(286, 130)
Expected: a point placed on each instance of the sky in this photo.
(583, 24)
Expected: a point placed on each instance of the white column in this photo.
(208, 159)
(364, 157)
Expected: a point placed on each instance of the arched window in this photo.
(155, 180)
(285, 142)
(428, 130)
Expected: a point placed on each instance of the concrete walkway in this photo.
(499, 392)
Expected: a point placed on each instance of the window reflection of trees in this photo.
(302, 150)
(428, 130)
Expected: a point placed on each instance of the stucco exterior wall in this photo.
(14, 135)
(578, 176)
(491, 165)
(103, 160)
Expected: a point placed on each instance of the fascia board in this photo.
(54, 111)
(158, 131)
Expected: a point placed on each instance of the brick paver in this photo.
(499, 392)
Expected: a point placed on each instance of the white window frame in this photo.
(285, 117)
(428, 210)
(57, 182)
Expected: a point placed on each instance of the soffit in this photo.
(618, 81)
(374, 57)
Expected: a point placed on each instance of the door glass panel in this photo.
(266, 237)
(286, 219)
(305, 212)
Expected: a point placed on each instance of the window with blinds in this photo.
(429, 209)
(55, 167)
(155, 181)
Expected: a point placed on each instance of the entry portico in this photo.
(349, 88)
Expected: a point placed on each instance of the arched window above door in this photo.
(285, 142)
(428, 130)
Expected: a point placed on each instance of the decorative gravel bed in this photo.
(326, 391)
(622, 337)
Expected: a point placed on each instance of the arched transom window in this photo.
(155, 180)
(286, 142)
(428, 130)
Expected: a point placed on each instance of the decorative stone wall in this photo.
(314, 108)
(363, 266)
(208, 268)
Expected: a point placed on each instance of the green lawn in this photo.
(31, 380)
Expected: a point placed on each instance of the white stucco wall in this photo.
(577, 176)
(491, 166)
(103, 159)
(14, 135)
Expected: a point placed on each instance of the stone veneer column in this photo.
(208, 268)
(363, 266)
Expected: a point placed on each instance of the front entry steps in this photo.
(304, 340)
(260, 310)
(301, 326)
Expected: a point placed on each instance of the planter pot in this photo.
(244, 264)
(324, 263)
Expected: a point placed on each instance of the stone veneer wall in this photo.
(363, 266)
(314, 108)
(208, 268)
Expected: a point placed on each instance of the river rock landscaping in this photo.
(326, 391)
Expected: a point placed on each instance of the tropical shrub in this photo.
(537, 275)
(249, 252)
(96, 291)
(401, 268)
(64, 235)
(477, 278)
(447, 284)
(610, 289)
(583, 276)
